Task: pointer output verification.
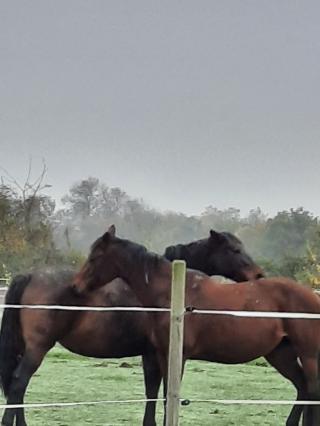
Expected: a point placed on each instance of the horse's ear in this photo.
(109, 234)
(215, 237)
(106, 237)
(112, 230)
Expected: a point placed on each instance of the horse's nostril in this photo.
(260, 275)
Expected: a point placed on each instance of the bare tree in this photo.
(31, 205)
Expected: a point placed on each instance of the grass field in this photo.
(67, 377)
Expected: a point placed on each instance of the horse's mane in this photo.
(228, 236)
(151, 260)
(174, 249)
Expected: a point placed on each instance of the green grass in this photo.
(66, 377)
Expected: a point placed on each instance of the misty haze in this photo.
(176, 122)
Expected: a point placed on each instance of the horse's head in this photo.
(101, 265)
(226, 256)
(175, 252)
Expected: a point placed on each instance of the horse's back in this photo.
(293, 296)
(279, 293)
(54, 287)
(91, 333)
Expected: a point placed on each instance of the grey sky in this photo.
(121, 90)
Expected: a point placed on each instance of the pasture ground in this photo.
(64, 377)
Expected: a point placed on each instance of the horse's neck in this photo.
(159, 289)
(150, 283)
(194, 258)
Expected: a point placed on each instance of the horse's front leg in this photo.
(152, 380)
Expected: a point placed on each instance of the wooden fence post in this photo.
(176, 341)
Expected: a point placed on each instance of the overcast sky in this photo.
(184, 103)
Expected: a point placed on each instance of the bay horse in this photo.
(291, 346)
(27, 335)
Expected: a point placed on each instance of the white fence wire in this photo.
(184, 402)
(86, 308)
(189, 310)
(76, 404)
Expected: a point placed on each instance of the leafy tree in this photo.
(252, 232)
(26, 234)
(286, 234)
(82, 199)
(221, 220)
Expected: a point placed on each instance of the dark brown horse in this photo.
(224, 339)
(27, 335)
(222, 252)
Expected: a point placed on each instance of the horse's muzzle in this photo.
(78, 286)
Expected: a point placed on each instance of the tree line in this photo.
(35, 233)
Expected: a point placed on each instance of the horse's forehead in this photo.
(96, 245)
(97, 250)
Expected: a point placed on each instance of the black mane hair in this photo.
(142, 255)
(138, 252)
